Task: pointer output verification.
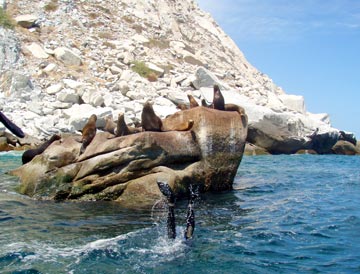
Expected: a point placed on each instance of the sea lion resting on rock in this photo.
(110, 125)
(151, 122)
(218, 99)
(29, 154)
(193, 102)
(219, 103)
(123, 129)
(88, 132)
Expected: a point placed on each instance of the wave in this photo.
(148, 251)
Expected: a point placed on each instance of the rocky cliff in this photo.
(66, 59)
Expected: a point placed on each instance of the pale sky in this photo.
(308, 47)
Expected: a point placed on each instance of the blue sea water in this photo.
(286, 214)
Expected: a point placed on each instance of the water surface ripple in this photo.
(286, 214)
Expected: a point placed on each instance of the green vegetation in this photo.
(5, 20)
(141, 68)
(155, 43)
(52, 5)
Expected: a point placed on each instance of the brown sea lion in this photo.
(123, 129)
(218, 100)
(240, 110)
(110, 125)
(29, 154)
(88, 132)
(193, 102)
(149, 120)
(181, 106)
(233, 107)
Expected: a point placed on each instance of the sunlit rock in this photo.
(125, 169)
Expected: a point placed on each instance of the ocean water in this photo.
(287, 214)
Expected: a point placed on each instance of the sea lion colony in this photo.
(149, 122)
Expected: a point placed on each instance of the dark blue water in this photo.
(287, 214)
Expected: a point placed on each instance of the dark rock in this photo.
(322, 143)
(348, 136)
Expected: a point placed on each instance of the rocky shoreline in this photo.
(65, 60)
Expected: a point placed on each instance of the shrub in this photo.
(161, 44)
(5, 20)
(141, 68)
(52, 5)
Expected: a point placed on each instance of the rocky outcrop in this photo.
(125, 169)
(116, 55)
(345, 148)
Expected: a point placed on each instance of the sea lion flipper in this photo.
(169, 194)
(166, 191)
(190, 218)
(11, 126)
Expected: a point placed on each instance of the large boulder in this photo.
(345, 148)
(125, 169)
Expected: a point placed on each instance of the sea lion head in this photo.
(93, 118)
(218, 100)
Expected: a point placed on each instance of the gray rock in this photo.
(68, 96)
(78, 115)
(54, 89)
(67, 56)
(9, 49)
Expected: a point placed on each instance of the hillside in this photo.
(68, 58)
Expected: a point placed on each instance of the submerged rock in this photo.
(125, 169)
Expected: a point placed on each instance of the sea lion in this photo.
(11, 126)
(193, 102)
(218, 99)
(123, 129)
(149, 120)
(88, 132)
(110, 125)
(233, 107)
(190, 216)
(238, 109)
(170, 197)
(181, 106)
(29, 154)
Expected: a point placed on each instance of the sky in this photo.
(307, 47)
